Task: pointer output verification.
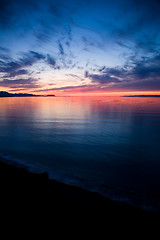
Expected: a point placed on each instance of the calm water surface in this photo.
(106, 144)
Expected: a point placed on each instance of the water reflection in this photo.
(100, 140)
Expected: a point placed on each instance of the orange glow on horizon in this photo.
(120, 93)
(80, 92)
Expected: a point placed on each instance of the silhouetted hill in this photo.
(6, 94)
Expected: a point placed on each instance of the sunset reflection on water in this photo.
(98, 141)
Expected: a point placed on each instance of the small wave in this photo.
(145, 202)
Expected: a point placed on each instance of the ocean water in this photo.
(110, 145)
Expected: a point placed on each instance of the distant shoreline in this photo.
(154, 96)
(6, 94)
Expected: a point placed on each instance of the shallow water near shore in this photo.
(105, 144)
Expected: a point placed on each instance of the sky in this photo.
(79, 46)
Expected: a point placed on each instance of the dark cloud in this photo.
(143, 85)
(140, 74)
(13, 68)
(103, 78)
(9, 67)
(27, 59)
(16, 73)
(86, 74)
(51, 61)
(20, 83)
(17, 90)
(61, 50)
(118, 72)
(107, 75)
(145, 67)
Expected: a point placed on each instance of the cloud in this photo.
(20, 83)
(27, 59)
(143, 85)
(16, 73)
(13, 68)
(103, 78)
(145, 67)
(50, 60)
(138, 74)
(61, 50)
(106, 75)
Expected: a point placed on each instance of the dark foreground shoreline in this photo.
(33, 194)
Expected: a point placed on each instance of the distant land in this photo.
(6, 94)
(141, 96)
(49, 95)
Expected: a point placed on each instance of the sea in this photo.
(105, 144)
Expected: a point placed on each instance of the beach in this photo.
(27, 193)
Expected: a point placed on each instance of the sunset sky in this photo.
(67, 47)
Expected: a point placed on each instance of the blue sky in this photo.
(79, 46)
